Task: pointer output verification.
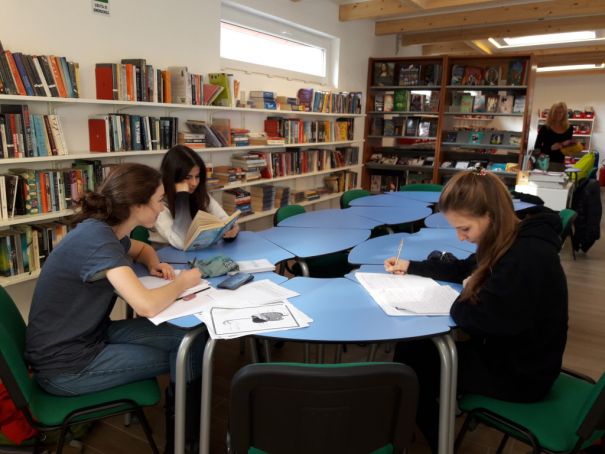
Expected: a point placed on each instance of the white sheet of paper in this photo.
(255, 266)
(198, 303)
(408, 294)
(228, 323)
(152, 282)
(251, 294)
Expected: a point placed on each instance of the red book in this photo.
(104, 81)
(49, 134)
(98, 135)
(54, 66)
(15, 72)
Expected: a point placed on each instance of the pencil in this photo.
(398, 252)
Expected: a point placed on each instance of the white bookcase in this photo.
(74, 114)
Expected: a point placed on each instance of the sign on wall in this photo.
(100, 7)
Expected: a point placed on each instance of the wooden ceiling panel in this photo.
(535, 11)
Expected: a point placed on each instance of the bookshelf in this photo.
(74, 114)
(477, 108)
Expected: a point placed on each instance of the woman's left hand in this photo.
(232, 233)
(162, 270)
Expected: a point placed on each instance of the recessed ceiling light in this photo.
(550, 38)
(545, 69)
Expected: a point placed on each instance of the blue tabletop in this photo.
(247, 246)
(449, 236)
(393, 215)
(342, 311)
(385, 200)
(189, 321)
(331, 219)
(421, 196)
(415, 247)
(304, 242)
(437, 221)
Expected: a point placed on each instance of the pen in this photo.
(398, 252)
(192, 295)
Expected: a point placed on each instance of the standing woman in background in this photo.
(184, 177)
(71, 343)
(553, 133)
(512, 309)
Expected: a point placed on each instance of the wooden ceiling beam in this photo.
(457, 48)
(577, 58)
(375, 9)
(535, 11)
(505, 30)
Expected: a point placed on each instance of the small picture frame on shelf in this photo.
(476, 137)
(497, 138)
(384, 73)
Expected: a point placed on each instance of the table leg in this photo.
(180, 386)
(447, 392)
(206, 403)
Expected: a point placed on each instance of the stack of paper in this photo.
(408, 294)
(255, 266)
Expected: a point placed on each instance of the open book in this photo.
(206, 229)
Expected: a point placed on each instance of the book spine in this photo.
(15, 73)
(48, 75)
(27, 83)
(54, 66)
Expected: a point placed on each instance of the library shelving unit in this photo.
(404, 96)
(75, 112)
(476, 110)
(583, 123)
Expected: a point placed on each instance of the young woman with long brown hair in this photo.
(513, 307)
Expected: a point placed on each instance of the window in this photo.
(254, 41)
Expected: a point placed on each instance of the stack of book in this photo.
(237, 199)
(251, 163)
(282, 196)
(23, 134)
(263, 197)
(239, 137)
(41, 75)
(192, 140)
(259, 99)
(226, 174)
(287, 103)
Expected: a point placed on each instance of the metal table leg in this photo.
(447, 392)
(206, 403)
(180, 386)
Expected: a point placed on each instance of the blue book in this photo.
(40, 135)
(206, 230)
(29, 86)
(69, 84)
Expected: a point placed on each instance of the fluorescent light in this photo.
(545, 69)
(550, 38)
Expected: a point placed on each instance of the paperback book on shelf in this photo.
(206, 230)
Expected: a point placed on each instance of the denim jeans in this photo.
(136, 349)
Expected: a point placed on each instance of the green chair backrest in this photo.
(287, 211)
(348, 196)
(430, 187)
(140, 233)
(13, 369)
(567, 217)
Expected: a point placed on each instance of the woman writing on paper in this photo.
(553, 134)
(513, 307)
(71, 343)
(184, 177)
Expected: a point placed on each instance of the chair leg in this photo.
(147, 430)
(462, 433)
(502, 444)
(61, 440)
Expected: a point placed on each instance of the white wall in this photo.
(182, 32)
(577, 91)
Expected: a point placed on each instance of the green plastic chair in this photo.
(568, 216)
(287, 211)
(348, 196)
(430, 187)
(46, 412)
(322, 408)
(570, 418)
(140, 233)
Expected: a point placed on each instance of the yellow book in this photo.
(206, 230)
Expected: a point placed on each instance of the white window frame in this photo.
(247, 17)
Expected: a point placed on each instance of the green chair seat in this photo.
(553, 421)
(430, 187)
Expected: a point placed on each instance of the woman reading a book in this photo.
(71, 343)
(184, 177)
(512, 311)
(553, 135)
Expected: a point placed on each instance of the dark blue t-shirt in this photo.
(73, 298)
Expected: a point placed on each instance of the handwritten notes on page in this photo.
(408, 295)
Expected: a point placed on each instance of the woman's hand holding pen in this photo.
(189, 277)
(396, 266)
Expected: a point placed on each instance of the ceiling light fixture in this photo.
(545, 69)
(550, 38)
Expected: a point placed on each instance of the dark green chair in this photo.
(348, 196)
(570, 418)
(367, 408)
(331, 265)
(430, 187)
(46, 412)
(140, 233)
(568, 216)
